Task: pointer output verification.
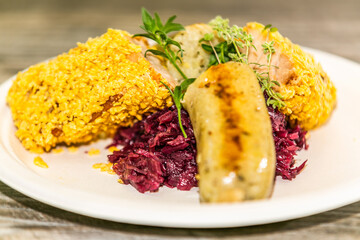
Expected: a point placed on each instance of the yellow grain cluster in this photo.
(38, 161)
(310, 96)
(113, 149)
(85, 93)
(93, 152)
(104, 167)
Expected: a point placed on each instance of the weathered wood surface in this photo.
(31, 31)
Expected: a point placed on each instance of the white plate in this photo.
(330, 180)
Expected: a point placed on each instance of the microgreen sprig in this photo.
(158, 32)
(274, 98)
(268, 48)
(233, 35)
(270, 28)
(229, 50)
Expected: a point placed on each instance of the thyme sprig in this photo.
(235, 39)
(158, 32)
(233, 35)
(274, 98)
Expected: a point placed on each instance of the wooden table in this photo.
(31, 31)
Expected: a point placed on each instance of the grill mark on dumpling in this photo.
(224, 89)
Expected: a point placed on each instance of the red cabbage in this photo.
(155, 152)
(287, 141)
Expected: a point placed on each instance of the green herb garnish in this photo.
(274, 98)
(178, 96)
(270, 28)
(158, 32)
(229, 50)
(208, 37)
(235, 36)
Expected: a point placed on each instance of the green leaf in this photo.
(142, 35)
(267, 27)
(252, 45)
(158, 21)
(144, 28)
(266, 84)
(186, 83)
(276, 83)
(156, 52)
(146, 35)
(219, 24)
(170, 41)
(181, 51)
(234, 57)
(170, 20)
(168, 88)
(279, 95)
(271, 101)
(148, 21)
(177, 92)
(177, 58)
(206, 47)
(173, 27)
(239, 44)
(273, 29)
(213, 61)
(208, 36)
(162, 36)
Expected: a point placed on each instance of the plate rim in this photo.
(317, 205)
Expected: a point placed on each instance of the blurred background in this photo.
(34, 30)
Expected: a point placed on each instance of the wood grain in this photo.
(31, 31)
